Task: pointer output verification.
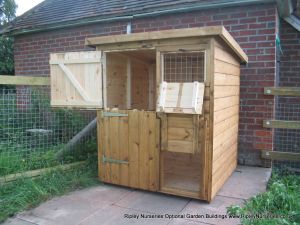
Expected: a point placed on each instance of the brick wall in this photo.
(254, 27)
(290, 57)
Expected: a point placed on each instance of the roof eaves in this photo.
(86, 21)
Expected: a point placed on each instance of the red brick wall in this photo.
(290, 56)
(254, 27)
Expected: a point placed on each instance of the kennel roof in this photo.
(209, 31)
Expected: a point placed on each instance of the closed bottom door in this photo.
(128, 145)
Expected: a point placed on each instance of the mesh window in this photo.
(183, 67)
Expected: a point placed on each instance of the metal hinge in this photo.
(110, 160)
(112, 114)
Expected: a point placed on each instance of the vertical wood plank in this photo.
(100, 141)
(196, 124)
(164, 131)
(128, 86)
(124, 149)
(203, 136)
(152, 152)
(151, 104)
(104, 81)
(210, 70)
(134, 147)
(159, 78)
(114, 149)
(144, 150)
(106, 146)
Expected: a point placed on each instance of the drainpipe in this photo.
(128, 28)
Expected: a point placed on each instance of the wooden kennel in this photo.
(167, 106)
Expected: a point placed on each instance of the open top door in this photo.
(76, 79)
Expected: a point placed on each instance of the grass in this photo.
(27, 193)
(18, 160)
(22, 151)
(282, 198)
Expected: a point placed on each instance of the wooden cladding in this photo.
(180, 133)
(76, 79)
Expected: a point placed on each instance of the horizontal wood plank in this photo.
(282, 91)
(226, 68)
(180, 134)
(24, 80)
(221, 79)
(281, 124)
(225, 91)
(180, 146)
(223, 55)
(281, 156)
(225, 113)
(223, 103)
(180, 121)
(225, 125)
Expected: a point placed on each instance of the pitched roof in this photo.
(66, 12)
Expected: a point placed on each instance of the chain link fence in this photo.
(33, 135)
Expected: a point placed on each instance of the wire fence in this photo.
(33, 135)
(287, 140)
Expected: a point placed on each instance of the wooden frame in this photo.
(24, 80)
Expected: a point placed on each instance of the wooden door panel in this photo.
(76, 79)
(129, 145)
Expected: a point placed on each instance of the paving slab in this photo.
(245, 182)
(116, 215)
(109, 204)
(16, 221)
(153, 202)
(204, 212)
(185, 222)
(74, 207)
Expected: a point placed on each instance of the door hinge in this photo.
(112, 114)
(110, 160)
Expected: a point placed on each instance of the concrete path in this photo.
(113, 205)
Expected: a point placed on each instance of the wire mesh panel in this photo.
(32, 133)
(287, 140)
(183, 67)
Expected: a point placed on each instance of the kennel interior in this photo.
(167, 106)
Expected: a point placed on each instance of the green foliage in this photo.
(7, 11)
(6, 56)
(7, 14)
(281, 199)
(27, 193)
